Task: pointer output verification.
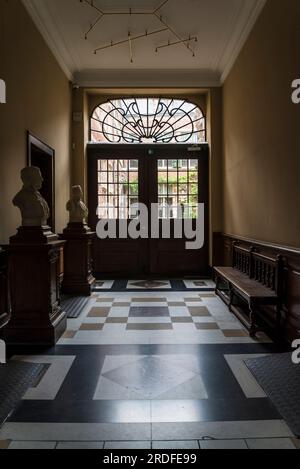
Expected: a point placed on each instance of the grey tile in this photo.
(105, 300)
(115, 320)
(76, 431)
(81, 445)
(32, 445)
(223, 444)
(149, 327)
(200, 311)
(127, 445)
(221, 430)
(271, 443)
(186, 444)
(149, 311)
(99, 312)
(150, 376)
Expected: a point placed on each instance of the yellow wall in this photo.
(38, 100)
(261, 131)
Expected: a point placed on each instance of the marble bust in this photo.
(76, 207)
(34, 208)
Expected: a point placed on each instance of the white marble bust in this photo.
(34, 208)
(76, 207)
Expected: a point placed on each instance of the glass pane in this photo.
(114, 191)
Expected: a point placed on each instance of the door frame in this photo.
(138, 152)
(33, 141)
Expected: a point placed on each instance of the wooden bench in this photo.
(253, 278)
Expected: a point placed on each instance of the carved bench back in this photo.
(259, 267)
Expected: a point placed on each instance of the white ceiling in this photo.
(221, 26)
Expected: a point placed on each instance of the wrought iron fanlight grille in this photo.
(148, 120)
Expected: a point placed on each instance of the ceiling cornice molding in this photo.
(239, 39)
(147, 78)
(55, 46)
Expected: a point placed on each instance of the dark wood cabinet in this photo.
(4, 295)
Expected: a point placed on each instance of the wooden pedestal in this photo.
(4, 295)
(36, 315)
(78, 277)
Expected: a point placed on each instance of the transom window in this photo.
(148, 120)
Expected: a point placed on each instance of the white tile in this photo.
(186, 444)
(75, 431)
(221, 430)
(223, 444)
(127, 445)
(155, 320)
(119, 312)
(271, 443)
(32, 445)
(179, 311)
(51, 382)
(243, 375)
(81, 445)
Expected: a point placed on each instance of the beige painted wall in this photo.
(38, 100)
(261, 131)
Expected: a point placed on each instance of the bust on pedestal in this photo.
(78, 277)
(36, 315)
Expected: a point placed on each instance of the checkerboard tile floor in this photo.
(191, 317)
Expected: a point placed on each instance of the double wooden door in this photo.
(175, 178)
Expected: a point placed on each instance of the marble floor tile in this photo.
(91, 327)
(223, 444)
(76, 432)
(99, 312)
(235, 333)
(271, 443)
(130, 445)
(185, 444)
(221, 430)
(207, 326)
(81, 445)
(32, 445)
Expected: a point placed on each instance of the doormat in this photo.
(15, 379)
(280, 379)
(74, 305)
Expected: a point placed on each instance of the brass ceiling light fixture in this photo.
(156, 13)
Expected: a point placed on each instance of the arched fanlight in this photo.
(148, 120)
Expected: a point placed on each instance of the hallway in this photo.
(152, 369)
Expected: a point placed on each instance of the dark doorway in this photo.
(42, 156)
(167, 175)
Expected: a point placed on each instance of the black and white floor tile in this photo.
(161, 370)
